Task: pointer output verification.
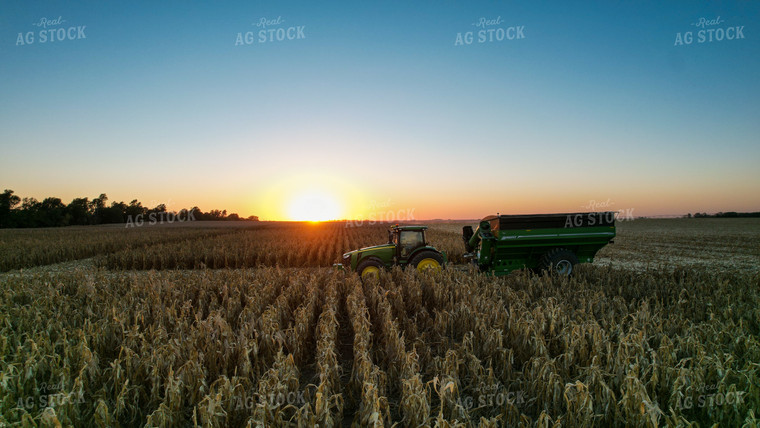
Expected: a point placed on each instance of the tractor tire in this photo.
(559, 261)
(427, 260)
(370, 268)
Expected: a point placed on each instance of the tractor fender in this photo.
(433, 249)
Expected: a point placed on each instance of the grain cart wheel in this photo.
(369, 268)
(559, 261)
(427, 260)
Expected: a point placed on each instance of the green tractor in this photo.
(406, 247)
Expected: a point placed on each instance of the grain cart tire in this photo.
(427, 260)
(369, 268)
(559, 261)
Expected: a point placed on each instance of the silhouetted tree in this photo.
(8, 202)
(82, 211)
(114, 213)
(79, 211)
(134, 209)
(51, 212)
(97, 206)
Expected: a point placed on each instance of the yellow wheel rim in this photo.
(370, 272)
(428, 264)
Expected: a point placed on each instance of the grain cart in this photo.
(553, 242)
(406, 247)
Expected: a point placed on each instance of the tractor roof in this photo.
(397, 227)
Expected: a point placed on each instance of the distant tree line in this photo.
(730, 214)
(52, 212)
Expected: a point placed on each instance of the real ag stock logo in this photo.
(622, 214)
(490, 30)
(709, 30)
(51, 30)
(270, 30)
(381, 212)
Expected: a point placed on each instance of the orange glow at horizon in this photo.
(310, 196)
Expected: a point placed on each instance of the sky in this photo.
(383, 109)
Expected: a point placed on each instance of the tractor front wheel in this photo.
(427, 261)
(369, 268)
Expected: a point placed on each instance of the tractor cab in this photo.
(406, 239)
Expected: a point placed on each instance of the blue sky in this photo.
(377, 102)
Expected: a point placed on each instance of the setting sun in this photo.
(314, 206)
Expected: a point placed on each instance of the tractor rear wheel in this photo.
(369, 268)
(427, 261)
(559, 261)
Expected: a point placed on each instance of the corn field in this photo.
(284, 245)
(305, 346)
(26, 248)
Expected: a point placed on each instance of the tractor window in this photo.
(410, 240)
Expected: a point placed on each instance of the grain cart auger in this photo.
(552, 242)
(406, 246)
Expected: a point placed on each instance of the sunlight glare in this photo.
(314, 206)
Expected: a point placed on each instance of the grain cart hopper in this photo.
(555, 242)
(406, 246)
